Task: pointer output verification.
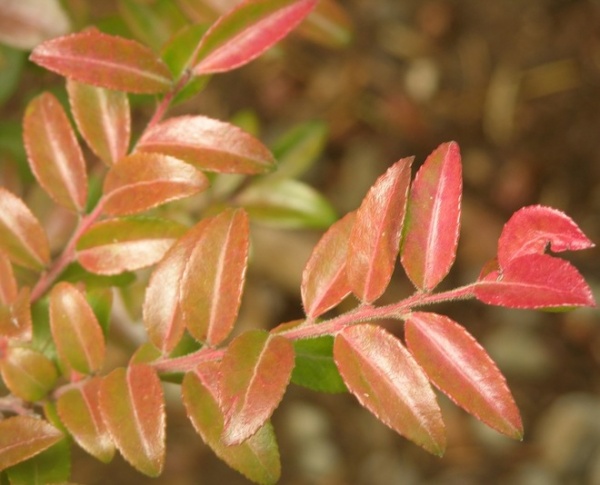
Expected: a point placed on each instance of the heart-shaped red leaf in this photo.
(247, 31)
(54, 153)
(535, 281)
(254, 374)
(208, 144)
(106, 61)
(532, 229)
(375, 236)
(433, 218)
(387, 381)
(458, 366)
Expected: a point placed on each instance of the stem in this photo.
(164, 104)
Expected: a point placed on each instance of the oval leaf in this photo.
(254, 373)
(324, 280)
(103, 119)
(208, 144)
(53, 465)
(314, 365)
(535, 281)
(132, 406)
(22, 437)
(15, 318)
(106, 61)
(387, 381)
(532, 229)
(433, 218)
(75, 329)
(117, 245)
(375, 237)
(8, 283)
(27, 373)
(145, 180)
(247, 31)
(462, 370)
(257, 458)
(79, 410)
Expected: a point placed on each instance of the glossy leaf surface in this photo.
(15, 317)
(314, 365)
(145, 180)
(103, 118)
(324, 280)
(375, 237)
(257, 458)
(458, 366)
(247, 31)
(79, 410)
(535, 281)
(208, 144)
(21, 236)
(116, 245)
(75, 329)
(132, 406)
(53, 152)
(106, 61)
(27, 373)
(433, 218)
(254, 373)
(387, 381)
(534, 229)
(22, 437)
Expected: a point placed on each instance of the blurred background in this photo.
(517, 85)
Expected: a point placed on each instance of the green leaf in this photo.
(254, 373)
(132, 406)
(103, 118)
(257, 458)
(100, 300)
(22, 437)
(11, 66)
(208, 144)
(116, 245)
(286, 204)
(106, 61)
(144, 23)
(314, 365)
(145, 180)
(53, 465)
(27, 373)
(75, 273)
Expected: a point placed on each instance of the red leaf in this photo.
(103, 118)
(208, 144)
(53, 152)
(433, 218)
(145, 180)
(79, 410)
(22, 437)
(535, 281)
(375, 237)
(257, 458)
(462, 369)
(255, 371)
(532, 229)
(106, 61)
(27, 373)
(132, 406)
(386, 380)
(117, 245)
(247, 31)
(324, 280)
(75, 329)
(8, 283)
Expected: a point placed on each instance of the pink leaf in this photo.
(208, 144)
(145, 180)
(132, 406)
(462, 369)
(532, 229)
(324, 280)
(54, 153)
(387, 381)
(375, 237)
(21, 236)
(247, 31)
(255, 372)
(535, 281)
(75, 329)
(433, 218)
(103, 118)
(106, 61)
